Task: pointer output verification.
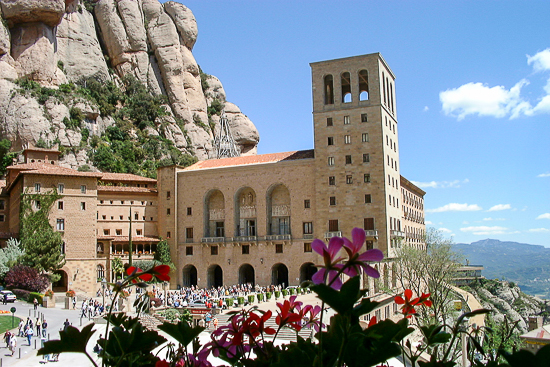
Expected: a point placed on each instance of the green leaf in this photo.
(341, 301)
(72, 340)
(181, 331)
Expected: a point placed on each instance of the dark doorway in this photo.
(62, 285)
(246, 274)
(189, 276)
(279, 275)
(306, 271)
(215, 276)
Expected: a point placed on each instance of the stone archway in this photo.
(215, 276)
(247, 275)
(279, 275)
(306, 271)
(62, 285)
(189, 276)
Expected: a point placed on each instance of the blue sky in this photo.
(472, 92)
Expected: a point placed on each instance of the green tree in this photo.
(41, 243)
(117, 266)
(9, 255)
(6, 158)
(430, 271)
(162, 255)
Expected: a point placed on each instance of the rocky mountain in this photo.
(527, 265)
(59, 58)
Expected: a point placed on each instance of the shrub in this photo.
(33, 295)
(260, 297)
(277, 294)
(27, 278)
(171, 314)
(285, 292)
(240, 301)
(229, 302)
(292, 290)
(250, 298)
(49, 293)
(21, 293)
(70, 293)
(268, 295)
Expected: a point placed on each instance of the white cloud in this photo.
(428, 222)
(454, 207)
(500, 207)
(445, 230)
(485, 230)
(489, 219)
(544, 216)
(539, 230)
(440, 184)
(426, 108)
(547, 174)
(477, 98)
(540, 61)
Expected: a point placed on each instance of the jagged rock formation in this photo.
(54, 42)
(505, 298)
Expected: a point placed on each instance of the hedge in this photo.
(240, 301)
(21, 293)
(33, 295)
(229, 302)
(285, 292)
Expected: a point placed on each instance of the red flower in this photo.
(287, 316)
(161, 272)
(132, 270)
(162, 363)
(372, 321)
(409, 304)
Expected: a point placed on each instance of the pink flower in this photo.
(359, 261)
(331, 267)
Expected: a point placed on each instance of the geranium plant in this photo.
(249, 340)
(70, 293)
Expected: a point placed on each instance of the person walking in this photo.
(35, 303)
(44, 328)
(13, 345)
(7, 337)
(38, 326)
(21, 327)
(29, 333)
(66, 324)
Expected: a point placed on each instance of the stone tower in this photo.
(356, 150)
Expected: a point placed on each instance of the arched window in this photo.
(100, 272)
(363, 85)
(384, 86)
(329, 90)
(346, 87)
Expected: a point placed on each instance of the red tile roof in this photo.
(126, 189)
(107, 176)
(251, 159)
(125, 239)
(50, 169)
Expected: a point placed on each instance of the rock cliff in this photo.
(53, 51)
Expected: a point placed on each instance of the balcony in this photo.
(397, 234)
(278, 237)
(333, 234)
(308, 237)
(247, 212)
(212, 239)
(371, 233)
(245, 238)
(216, 214)
(280, 210)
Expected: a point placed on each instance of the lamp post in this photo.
(103, 285)
(164, 287)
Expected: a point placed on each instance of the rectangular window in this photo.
(332, 200)
(331, 161)
(60, 205)
(329, 121)
(364, 137)
(332, 180)
(308, 227)
(189, 211)
(346, 120)
(348, 159)
(349, 179)
(60, 224)
(136, 216)
(2, 218)
(278, 248)
(2, 204)
(82, 205)
(168, 211)
(307, 247)
(245, 249)
(366, 177)
(106, 232)
(168, 234)
(368, 224)
(189, 232)
(370, 245)
(82, 189)
(214, 250)
(120, 217)
(333, 225)
(122, 202)
(104, 217)
(330, 140)
(364, 117)
(118, 232)
(189, 251)
(37, 204)
(37, 187)
(366, 158)
(220, 229)
(139, 232)
(167, 194)
(347, 139)
(307, 204)
(368, 198)
(60, 188)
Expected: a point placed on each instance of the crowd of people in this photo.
(26, 329)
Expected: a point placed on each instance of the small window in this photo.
(332, 200)
(167, 211)
(308, 227)
(364, 117)
(189, 232)
(366, 158)
(332, 180)
(329, 121)
(245, 249)
(333, 225)
(2, 204)
(307, 204)
(214, 250)
(60, 188)
(101, 201)
(330, 140)
(189, 251)
(37, 187)
(349, 179)
(368, 198)
(136, 216)
(104, 217)
(167, 194)
(37, 204)
(368, 224)
(82, 189)
(121, 202)
(189, 211)
(347, 139)
(168, 234)
(348, 159)
(82, 205)
(139, 232)
(2, 218)
(366, 177)
(106, 232)
(278, 248)
(60, 225)
(346, 120)
(118, 232)
(110, 202)
(307, 247)
(365, 137)
(370, 245)
(120, 217)
(331, 161)
(60, 205)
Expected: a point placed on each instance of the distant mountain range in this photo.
(527, 265)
